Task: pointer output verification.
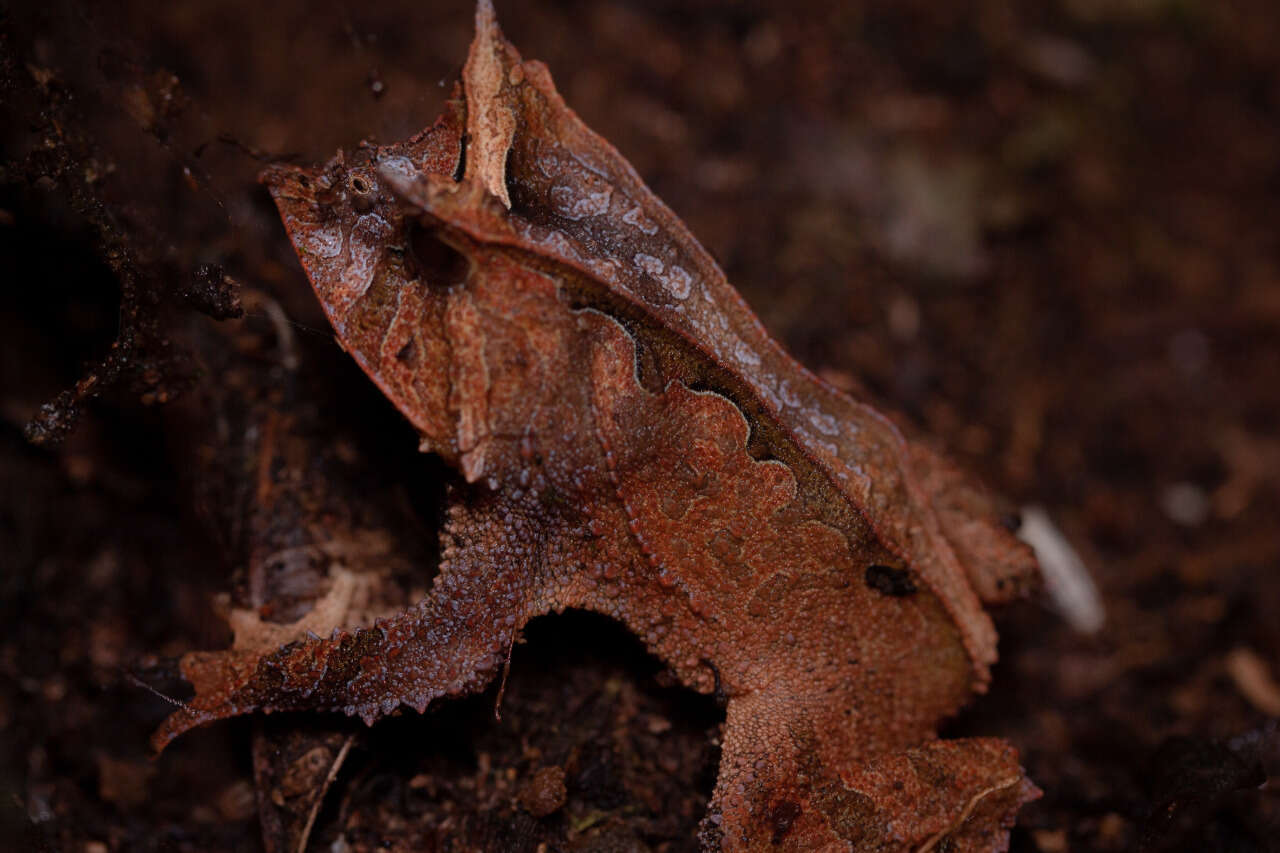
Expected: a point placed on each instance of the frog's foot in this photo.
(777, 793)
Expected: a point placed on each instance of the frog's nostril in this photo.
(362, 194)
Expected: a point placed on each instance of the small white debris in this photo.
(1185, 503)
(1066, 578)
(1253, 679)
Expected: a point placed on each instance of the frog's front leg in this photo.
(497, 571)
(776, 791)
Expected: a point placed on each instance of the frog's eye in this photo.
(362, 191)
(890, 580)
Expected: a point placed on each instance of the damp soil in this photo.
(1042, 233)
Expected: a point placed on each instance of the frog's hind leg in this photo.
(775, 792)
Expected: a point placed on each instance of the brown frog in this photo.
(631, 441)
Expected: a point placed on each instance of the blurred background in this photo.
(1043, 233)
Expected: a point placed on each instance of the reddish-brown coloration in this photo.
(633, 443)
(544, 792)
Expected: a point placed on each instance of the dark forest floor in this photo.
(1045, 233)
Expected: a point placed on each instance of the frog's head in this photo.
(381, 276)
